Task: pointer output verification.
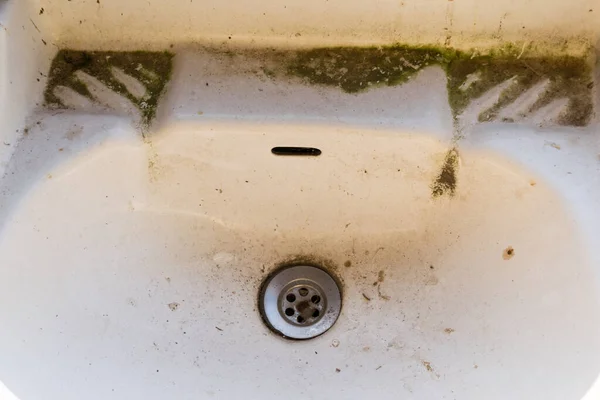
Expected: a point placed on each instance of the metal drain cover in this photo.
(300, 302)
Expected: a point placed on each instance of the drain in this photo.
(300, 302)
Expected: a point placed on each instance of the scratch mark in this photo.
(35, 26)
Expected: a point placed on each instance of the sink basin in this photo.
(136, 230)
(132, 266)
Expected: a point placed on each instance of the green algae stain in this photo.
(568, 77)
(152, 69)
(357, 69)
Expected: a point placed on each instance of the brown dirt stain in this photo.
(445, 182)
(508, 253)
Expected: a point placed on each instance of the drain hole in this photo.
(300, 319)
(315, 314)
(290, 297)
(289, 312)
(303, 292)
(296, 151)
(315, 299)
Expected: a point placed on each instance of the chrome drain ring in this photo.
(300, 302)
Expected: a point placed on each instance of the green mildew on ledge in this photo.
(355, 69)
(568, 77)
(152, 69)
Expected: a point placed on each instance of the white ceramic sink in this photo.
(131, 256)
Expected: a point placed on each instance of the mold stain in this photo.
(446, 181)
(151, 69)
(328, 265)
(357, 69)
(569, 77)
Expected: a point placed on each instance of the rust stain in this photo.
(508, 253)
(427, 365)
(555, 145)
(429, 368)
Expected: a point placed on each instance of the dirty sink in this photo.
(445, 174)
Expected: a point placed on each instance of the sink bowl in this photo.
(132, 266)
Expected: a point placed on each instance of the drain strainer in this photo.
(300, 302)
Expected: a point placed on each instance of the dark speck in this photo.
(42, 10)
